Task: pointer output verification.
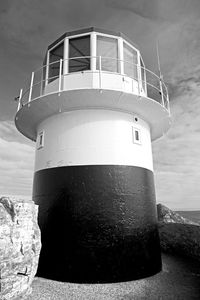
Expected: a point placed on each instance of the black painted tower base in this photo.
(98, 223)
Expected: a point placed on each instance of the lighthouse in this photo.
(93, 110)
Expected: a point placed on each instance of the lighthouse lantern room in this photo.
(93, 110)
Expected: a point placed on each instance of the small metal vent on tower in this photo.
(94, 109)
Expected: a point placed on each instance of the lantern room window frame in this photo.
(93, 36)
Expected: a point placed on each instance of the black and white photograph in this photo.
(99, 149)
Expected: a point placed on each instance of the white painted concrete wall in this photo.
(96, 80)
(93, 137)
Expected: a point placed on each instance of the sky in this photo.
(27, 27)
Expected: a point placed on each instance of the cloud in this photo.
(177, 190)
(16, 161)
(144, 8)
(45, 19)
(9, 133)
(179, 45)
(180, 146)
(18, 14)
(166, 10)
(176, 155)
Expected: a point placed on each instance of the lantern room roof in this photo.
(88, 30)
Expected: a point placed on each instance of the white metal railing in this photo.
(149, 83)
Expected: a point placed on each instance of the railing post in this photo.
(65, 61)
(100, 72)
(60, 77)
(161, 90)
(138, 78)
(145, 80)
(120, 62)
(93, 52)
(31, 87)
(41, 85)
(19, 101)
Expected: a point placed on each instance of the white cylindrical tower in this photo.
(93, 110)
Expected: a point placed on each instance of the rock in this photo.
(178, 235)
(19, 247)
(166, 215)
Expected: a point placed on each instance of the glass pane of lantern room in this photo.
(107, 49)
(130, 61)
(79, 52)
(54, 61)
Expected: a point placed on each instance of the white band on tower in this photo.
(93, 137)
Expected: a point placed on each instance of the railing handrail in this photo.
(95, 57)
(142, 79)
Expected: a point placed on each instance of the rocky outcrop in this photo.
(178, 235)
(19, 247)
(166, 215)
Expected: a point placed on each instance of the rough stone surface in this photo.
(166, 215)
(19, 247)
(178, 235)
